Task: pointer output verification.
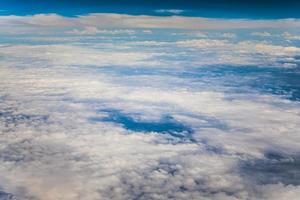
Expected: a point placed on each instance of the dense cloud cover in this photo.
(90, 112)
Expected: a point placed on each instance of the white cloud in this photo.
(241, 53)
(228, 35)
(91, 30)
(278, 191)
(66, 55)
(103, 161)
(170, 11)
(288, 36)
(45, 23)
(147, 31)
(55, 143)
(262, 34)
(66, 155)
(203, 43)
(200, 34)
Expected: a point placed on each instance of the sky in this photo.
(257, 9)
(149, 100)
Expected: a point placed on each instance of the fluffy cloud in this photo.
(41, 155)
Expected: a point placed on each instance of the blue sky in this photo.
(264, 9)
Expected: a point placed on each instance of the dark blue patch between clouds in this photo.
(167, 125)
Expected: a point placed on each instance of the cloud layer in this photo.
(103, 113)
(44, 22)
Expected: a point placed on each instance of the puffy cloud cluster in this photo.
(51, 150)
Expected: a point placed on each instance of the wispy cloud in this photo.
(91, 30)
(262, 34)
(289, 36)
(170, 11)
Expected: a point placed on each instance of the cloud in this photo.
(147, 31)
(66, 155)
(262, 34)
(45, 23)
(241, 53)
(91, 117)
(288, 36)
(91, 30)
(200, 34)
(170, 11)
(228, 35)
(66, 55)
(6, 196)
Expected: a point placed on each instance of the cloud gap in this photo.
(167, 124)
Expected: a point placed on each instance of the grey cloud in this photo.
(6, 196)
(273, 169)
